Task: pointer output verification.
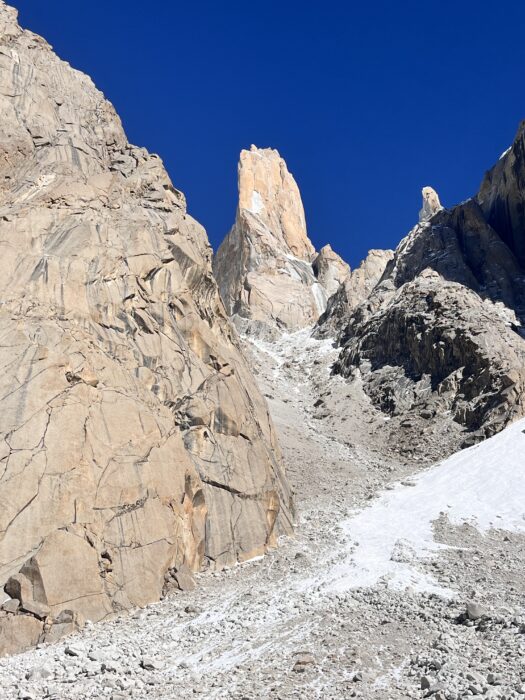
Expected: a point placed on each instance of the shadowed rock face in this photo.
(502, 196)
(269, 276)
(133, 438)
(441, 331)
(436, 346)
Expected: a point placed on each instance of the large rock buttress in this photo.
(441, 332)
(133, 438)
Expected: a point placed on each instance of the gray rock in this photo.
(150, 663)
(11, 606)
(38, 610)
(475, 610)
(20, 588)
(184, 578)
(302, 660)
(75, 650)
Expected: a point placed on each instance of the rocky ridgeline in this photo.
(441, 333)
(135, 446)
(431, 330)
(270, 277)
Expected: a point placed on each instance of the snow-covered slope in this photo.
(483, 485)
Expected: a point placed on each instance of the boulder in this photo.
(20, 588)
(18, 633)
(184, 578)
(67, 622)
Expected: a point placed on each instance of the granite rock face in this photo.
(133, 438)
(436, 346)
(269, 275)
(353, 291)
(330, 269)
(442, 331)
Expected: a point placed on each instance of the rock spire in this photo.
(269, 275)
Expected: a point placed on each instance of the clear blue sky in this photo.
(367, 101)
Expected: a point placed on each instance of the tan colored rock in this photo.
(431, 204)
(264, 265)
(38, 610)
(77, 586)
(18, 633)
(268, 192)
(184, 579)
(20, 588)
(330, 269)
(355, 289)
(133, 438)
(11, 606)
(66, 623)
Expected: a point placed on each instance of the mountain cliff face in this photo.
(354, 289)
(502, 197)
(441, 332)
(269, 275)
(133, 439)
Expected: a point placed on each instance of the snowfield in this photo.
(483, 485)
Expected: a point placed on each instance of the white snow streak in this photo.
(256, 205)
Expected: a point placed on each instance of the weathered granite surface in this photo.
(442, 330)
(133, 438)
(270, 277)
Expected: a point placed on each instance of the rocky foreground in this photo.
(311, 620)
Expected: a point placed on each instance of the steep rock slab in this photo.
(502, 196)
(133, 438)
(264, 265)
(461, 246)
(331, 271)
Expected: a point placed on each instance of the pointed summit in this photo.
(431, 204)
(268, 191)
(269, 277)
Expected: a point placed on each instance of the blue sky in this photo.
(367, 101)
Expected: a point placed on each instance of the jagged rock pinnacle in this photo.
(268, 191)
(431, 204)
(269, 275)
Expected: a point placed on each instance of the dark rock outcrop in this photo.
(441, 332)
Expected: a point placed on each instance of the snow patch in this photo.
(320, 297)
(483, 485)
(256, 205)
